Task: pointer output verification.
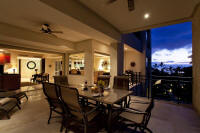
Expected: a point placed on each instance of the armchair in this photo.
(138, 118)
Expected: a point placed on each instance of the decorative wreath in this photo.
(31, 65)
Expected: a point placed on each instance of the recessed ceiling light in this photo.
(146, 15)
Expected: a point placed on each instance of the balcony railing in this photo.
(173, 88)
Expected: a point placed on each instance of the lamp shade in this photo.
(4, 58)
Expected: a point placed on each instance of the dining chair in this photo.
(76, 112)
(105, 78)
(138, 118)
(61, 80)
(51, 92)
(122, 82)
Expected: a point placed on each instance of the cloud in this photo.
(176, 56)
(172, 37)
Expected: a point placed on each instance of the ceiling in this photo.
(31, 14)
(78, 21)
(30, 54)
(127, 48)
(78, 56)
(160, 11)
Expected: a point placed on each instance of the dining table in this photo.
(109, 98)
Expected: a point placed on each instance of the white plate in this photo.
(96, 94)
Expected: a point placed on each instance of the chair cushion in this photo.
(139, 106)
(4, 101)
(141, 99)
(136, 118)
(86, 109)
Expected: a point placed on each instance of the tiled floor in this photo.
(32, 118)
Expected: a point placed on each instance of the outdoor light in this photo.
(146, 16)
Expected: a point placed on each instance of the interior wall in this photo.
(86, 48)
(138, 58)
(50, 67)
(109, 50)
(196, 59)
(27, 73)
(15, 64)
(98, 61)
(89, 47)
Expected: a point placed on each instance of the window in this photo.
(76, 64)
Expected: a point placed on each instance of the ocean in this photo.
(172, 65)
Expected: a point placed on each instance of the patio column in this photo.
(196, 59)
(120, 58)
(65, 63)
(113, 62)
(89, 66)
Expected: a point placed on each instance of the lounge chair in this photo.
(14, 94)
(7, 105)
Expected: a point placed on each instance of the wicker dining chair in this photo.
(122, 82)
(75, 111)
(51, 93)
(61, 80)
(138, 118)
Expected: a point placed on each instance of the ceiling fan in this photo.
(47, 29)
(131, 4)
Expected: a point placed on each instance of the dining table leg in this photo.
(109, 121)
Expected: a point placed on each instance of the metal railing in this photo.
(173, 88)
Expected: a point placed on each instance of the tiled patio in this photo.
(166, 118)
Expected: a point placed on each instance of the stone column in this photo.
(65, 64)
(113, 62)
(196, 59)
(120, 58)
(89, 66)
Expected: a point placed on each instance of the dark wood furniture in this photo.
(39, 78)
(10, 82)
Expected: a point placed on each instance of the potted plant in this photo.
(101, 85)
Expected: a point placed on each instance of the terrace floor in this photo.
(32, 118)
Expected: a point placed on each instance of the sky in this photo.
(172, 44)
